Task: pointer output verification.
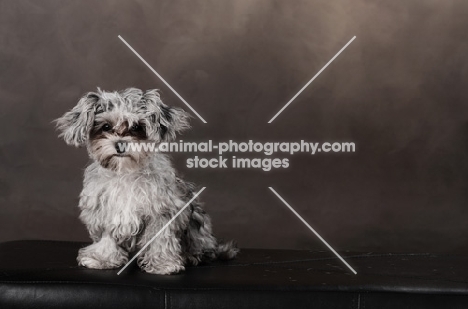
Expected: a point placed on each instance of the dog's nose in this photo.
(120, 147)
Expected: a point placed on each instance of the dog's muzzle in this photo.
(120, 147)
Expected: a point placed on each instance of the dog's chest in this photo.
(119, 205)
(121, 200)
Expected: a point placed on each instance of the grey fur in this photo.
(127, 199)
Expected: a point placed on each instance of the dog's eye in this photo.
(135, 127)
(106, 127)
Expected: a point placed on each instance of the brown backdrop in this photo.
(398, 91)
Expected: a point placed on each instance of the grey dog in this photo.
(128, 196)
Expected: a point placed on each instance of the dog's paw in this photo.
(101, 256)
(111, 263)
(89, 262)
(165, 268)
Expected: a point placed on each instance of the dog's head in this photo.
(107, 122)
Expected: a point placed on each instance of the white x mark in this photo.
(310, 81)
(162, 79)
(310, 228)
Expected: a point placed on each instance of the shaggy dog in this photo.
(128, 196)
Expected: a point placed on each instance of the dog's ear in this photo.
(163, 121)
(76, 124)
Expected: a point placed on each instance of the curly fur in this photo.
(128, 197)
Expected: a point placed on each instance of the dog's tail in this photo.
(226, 250)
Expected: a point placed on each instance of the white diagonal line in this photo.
(310, 81)
(161, 230)
(310, 228)
(162, 79)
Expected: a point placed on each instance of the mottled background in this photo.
(399, 91)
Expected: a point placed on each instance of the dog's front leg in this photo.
(103, 254)
(164, 255)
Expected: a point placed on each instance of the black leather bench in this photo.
(44, 274)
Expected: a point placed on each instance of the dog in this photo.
(128, 196)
